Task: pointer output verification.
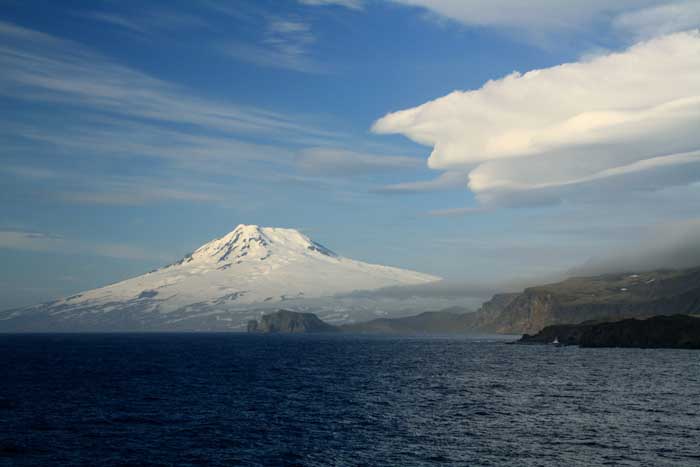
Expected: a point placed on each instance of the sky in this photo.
(480, 141)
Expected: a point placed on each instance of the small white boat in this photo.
(556, 342)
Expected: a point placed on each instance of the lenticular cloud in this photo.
(631, 116)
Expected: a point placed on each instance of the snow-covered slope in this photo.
(219, 286)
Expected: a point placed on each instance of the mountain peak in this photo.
(246, 228)
(242, 241)
(255, 243)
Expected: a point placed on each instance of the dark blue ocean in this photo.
(232, 399)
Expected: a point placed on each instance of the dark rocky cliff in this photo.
(677, 331)
(285, 321)
(609, 297)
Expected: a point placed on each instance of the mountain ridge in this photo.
(606, 297)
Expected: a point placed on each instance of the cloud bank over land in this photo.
(439, 289)
(618, 122)
(673, 246)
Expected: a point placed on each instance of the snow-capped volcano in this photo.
(220, 285)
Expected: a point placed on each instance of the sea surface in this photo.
(235, 399)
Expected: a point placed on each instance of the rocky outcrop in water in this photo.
(565, 334)
(289, 322)
(676, 331)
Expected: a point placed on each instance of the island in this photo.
(289, 322)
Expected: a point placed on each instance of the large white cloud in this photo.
(538, 16)
(660, 19)
(626, 116)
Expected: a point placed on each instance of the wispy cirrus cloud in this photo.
(148, 22)
(100, 109)
(29, 172)
(116, 138)
(114, 190)
(334, 161)
(457, 212)
(282, 42)
(47, 242)
(38, 67)
(445, 182)
(352, 4)
(136, 191)
(117, 20)
(285, 43)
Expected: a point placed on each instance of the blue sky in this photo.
(133, 133)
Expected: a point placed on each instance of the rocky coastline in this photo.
(675, 331)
